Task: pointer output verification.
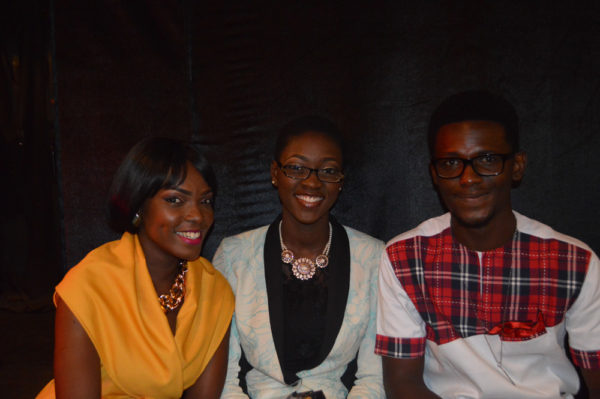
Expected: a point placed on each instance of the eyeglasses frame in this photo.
(310, 171)
(469, 161)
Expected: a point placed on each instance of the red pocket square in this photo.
(520, 330)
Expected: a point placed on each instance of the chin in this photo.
(189, 256)
(307, 217)
(472, 219)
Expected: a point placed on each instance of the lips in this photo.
(309, 201)
(471, 198)
(190, 237)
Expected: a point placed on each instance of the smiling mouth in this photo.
(310, 200)
(190, 237)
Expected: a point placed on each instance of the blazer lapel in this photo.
(272, 254)
(338, 285)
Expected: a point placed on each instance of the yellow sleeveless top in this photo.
(111, 293)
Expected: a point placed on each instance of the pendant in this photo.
(287, 256)
(322, 261)
(304, 268)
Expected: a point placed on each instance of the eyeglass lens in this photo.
(328, 175)
(484, 165)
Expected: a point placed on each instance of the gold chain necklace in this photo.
(172, 300)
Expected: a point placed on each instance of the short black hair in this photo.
(475, 105)
(308, 123)
(152, 164)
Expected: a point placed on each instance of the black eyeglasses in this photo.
(483, 165)
(326, 175)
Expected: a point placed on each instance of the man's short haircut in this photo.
(152, 164)
(309, 123)
(475, 105)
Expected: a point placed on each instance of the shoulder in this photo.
(205, 273)
(538, 229)
(240, 253)
(101, 262)
(203, 267)
(247, 239)
(356, 237)
(365, 251)
(428, 228)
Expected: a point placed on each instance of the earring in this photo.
(340, 188)
(137, 218)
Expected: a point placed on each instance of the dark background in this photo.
(81, 82)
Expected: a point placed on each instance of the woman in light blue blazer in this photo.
(305, 286)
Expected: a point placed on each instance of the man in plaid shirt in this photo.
(476, 303)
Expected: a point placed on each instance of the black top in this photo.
(306, 316)
(304, 313)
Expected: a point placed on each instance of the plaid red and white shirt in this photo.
(491, 323)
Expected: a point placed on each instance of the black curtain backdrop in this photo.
(30, 236)
(81, 82)
(227, 76)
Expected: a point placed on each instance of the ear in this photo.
(519, 165)
(274, 173)
(434, 176)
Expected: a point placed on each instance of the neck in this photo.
(305, 239)
(161, 267)
(493, 234)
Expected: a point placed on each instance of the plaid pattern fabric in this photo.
(519, 282)
(586, 360)
(399, 347)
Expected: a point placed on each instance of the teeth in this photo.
(192, 235)
(309, 198)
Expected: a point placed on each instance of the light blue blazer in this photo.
(241, 259)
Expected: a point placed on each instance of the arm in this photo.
(368, 382)
(583, 327)
(210, 383)
(232, 387)
(592, 380)
(403, 378)
(401, 341)
(76, 362)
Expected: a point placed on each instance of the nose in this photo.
(469, 176)
(199, 214)
(312, 180)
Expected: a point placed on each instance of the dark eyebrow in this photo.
(189, 193)
(181, 190)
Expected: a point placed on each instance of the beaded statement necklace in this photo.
(305, 268)
(172, 300)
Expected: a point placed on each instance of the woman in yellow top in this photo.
(146, 316)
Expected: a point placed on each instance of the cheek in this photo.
(444, 188)
(209, 218)
(284, 187)
(334, 192)
(504, 185)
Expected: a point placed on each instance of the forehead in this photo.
(469, 138)
(193, 180)
(312, 144)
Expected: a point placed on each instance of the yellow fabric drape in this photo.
(111, 294)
